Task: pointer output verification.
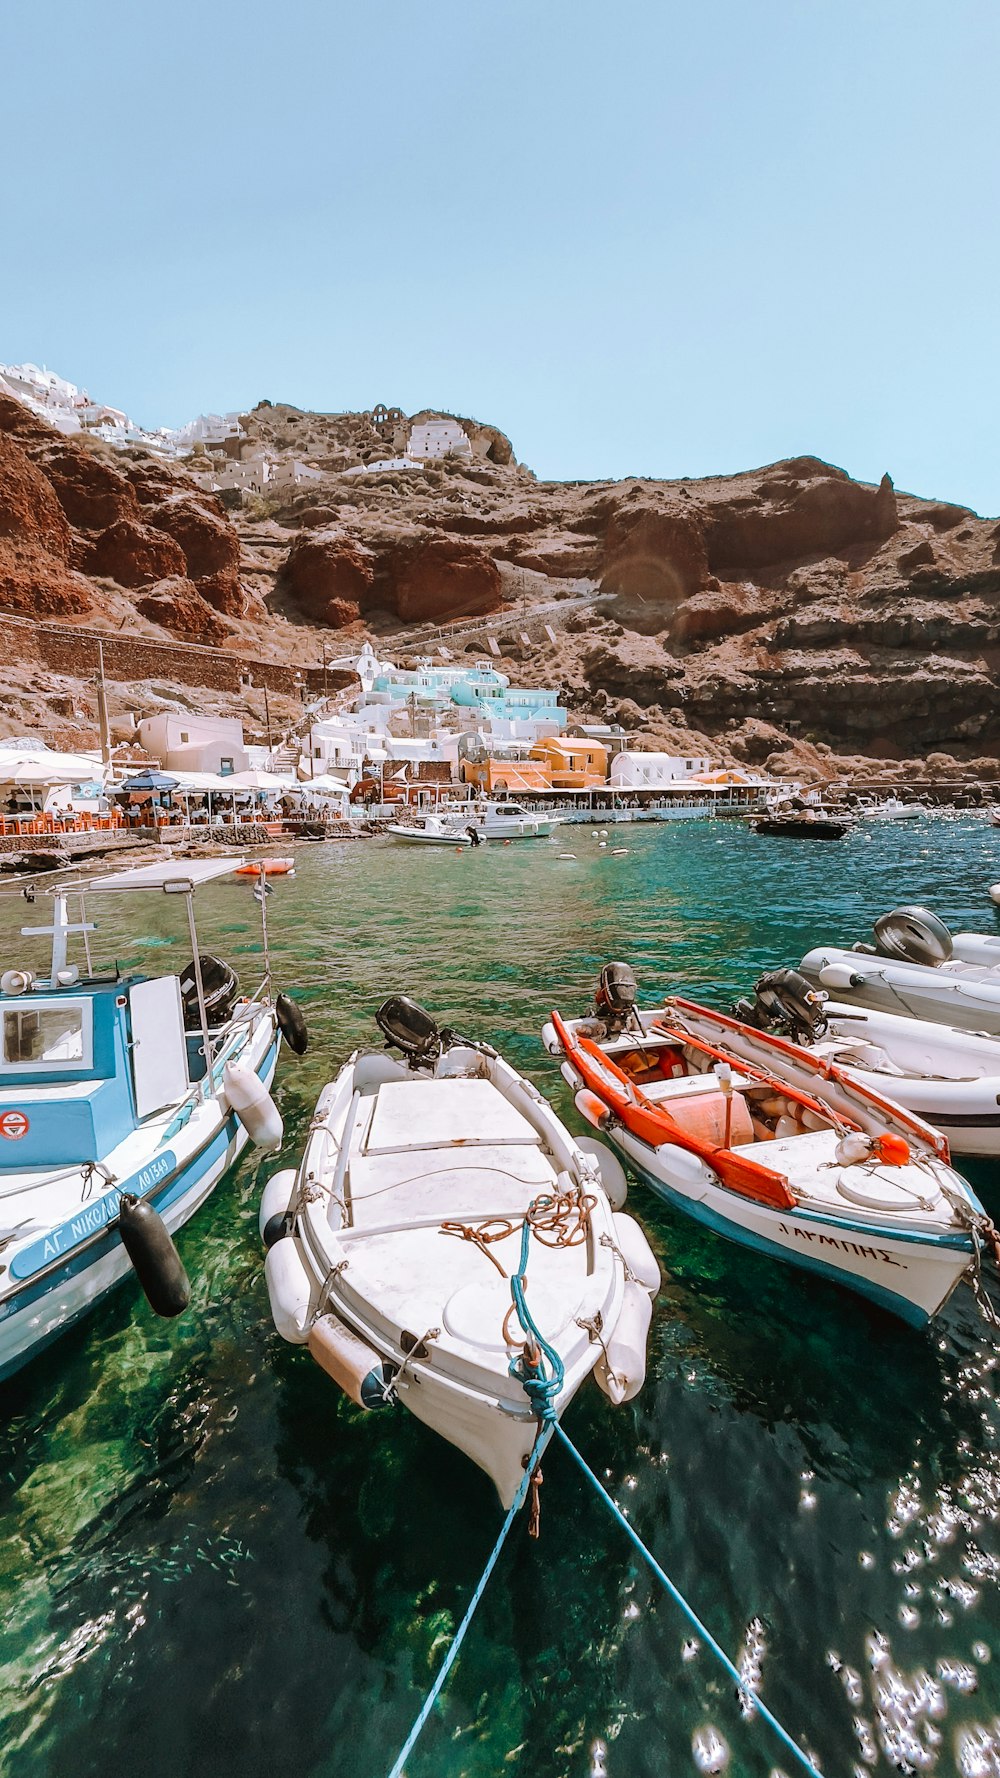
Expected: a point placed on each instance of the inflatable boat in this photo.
(916, 968)
(431, 1183)
(949, 1077)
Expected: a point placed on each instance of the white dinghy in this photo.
(428, 1184)
(761, 1141)
(949, 1077)
(434, 830)
(916, 968)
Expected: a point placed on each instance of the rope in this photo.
(540, 1389)
(470, 1611)
(743, 1687)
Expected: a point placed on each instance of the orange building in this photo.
(572, 763)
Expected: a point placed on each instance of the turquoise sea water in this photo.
(211, 1564)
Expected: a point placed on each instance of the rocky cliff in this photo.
(786, 606)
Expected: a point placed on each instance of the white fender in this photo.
(355, 1366)
(289, 1288)
(637, 1253)
(612, 1172)
(276, 1202)
(687, 1171)
(249, 1098)
(622, 1373)
(570, 1076)
(550, 1039)
(995, 893)
(839, 975)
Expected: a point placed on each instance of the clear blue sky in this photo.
(642, 237)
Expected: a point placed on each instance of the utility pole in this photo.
(267, 719)
(102, 708)
(326, 689)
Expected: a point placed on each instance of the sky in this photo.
(644, 238)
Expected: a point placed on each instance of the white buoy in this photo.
(249, 1098)
(995, 894)
(571, 855)
(619, 851)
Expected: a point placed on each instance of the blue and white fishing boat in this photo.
(124, 1099)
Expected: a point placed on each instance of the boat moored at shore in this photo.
(124, 1099)
(430, 1185)
(764, 1143)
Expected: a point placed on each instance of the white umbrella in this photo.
(62, 768)
(323, 782)
(257, 779)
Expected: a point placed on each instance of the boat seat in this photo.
(414, 1115)
(447, 1183)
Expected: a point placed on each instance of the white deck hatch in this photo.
(420, 1114)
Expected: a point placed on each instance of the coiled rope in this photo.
(542, 1391)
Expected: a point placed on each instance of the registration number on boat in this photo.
(90, 1220)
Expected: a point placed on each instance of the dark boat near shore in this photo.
(802, 827)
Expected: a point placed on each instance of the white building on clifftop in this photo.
(431, 439)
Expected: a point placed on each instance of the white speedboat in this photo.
(949, 1077)
(507, 821)
(767, 1144)
(916, 968)
(433, 830)
(123, 1101)
(429, 1183)
(890, 808)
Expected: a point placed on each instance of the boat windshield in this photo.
(50, 1035)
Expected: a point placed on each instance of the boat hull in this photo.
(48, 1306)
(912, 1277)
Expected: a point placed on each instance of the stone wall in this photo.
(128, 659)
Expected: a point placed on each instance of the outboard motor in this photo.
(784, 999)
(220, 985)
(615, 997)
(913, 935)
(407, 1027)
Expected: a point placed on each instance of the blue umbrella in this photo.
(150, 780)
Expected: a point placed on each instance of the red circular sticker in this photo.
(14, 1125)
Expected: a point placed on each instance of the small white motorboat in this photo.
(949, 1077)
(765, 1143)
(433, 830)
(917, 968)
(428, 1184)
(889, 808)
(124, 1099)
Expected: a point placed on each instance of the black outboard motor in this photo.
(913, 935)
(220, 984)
(785, 1001)
(407, 1027)
(615, 997)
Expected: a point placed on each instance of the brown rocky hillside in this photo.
(788, 606)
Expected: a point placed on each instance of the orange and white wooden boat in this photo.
(267, 867)
(773, 1147)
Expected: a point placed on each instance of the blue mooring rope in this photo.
(542, 1392)
(677, 1596)
(459, 1637)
